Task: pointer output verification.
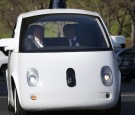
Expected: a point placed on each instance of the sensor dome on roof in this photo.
(57, 4)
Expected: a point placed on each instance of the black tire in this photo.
(18, 110)
(116, 110)
(10, 107)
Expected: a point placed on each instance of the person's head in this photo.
(37, 31)
(69, 31)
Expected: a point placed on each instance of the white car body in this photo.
(51, 91)
(3, 58)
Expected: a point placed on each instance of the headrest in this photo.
(69, 27)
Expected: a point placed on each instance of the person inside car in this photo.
(35, 38)
(69, 31)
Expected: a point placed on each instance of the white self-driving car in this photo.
(55, 75)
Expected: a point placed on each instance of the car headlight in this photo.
(32, 77)
(106, 76)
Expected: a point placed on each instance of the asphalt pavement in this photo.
(3, 86)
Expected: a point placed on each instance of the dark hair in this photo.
(32, 28)
(69, 27)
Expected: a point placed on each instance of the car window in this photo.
(60, 32)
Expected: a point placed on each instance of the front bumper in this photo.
(44, 102)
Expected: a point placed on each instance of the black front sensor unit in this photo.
(71, 80)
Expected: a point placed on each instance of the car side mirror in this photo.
(118, 42)
(7, 43)
(3, 59)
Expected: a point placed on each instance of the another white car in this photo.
(58, 76)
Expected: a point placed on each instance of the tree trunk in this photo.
(133, 34)
(132, 13)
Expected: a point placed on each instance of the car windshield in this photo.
(63, 32)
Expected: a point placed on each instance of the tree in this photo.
(114, 12)
(122, 16)
(11, 9)
(132, 14)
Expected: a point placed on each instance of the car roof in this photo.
(55, 11)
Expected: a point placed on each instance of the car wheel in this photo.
(10, 107)
(18, 110)
(116, 110)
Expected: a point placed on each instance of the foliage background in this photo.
(115, 13)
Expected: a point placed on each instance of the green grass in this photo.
(4, 33)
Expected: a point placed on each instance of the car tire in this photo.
(116, 110)
(18, 110)
(10, 107)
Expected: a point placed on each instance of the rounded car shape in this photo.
(58, 76)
